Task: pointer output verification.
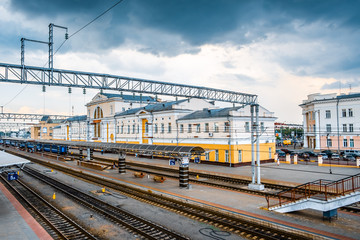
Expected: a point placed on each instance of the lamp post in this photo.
(327, 141)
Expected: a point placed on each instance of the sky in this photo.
(280, 50)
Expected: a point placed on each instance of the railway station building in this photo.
(224, 132)
(331, 121)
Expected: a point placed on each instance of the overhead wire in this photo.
(99, 16)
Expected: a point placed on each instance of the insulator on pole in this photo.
(84, 90)
(43, 88)
(66, 36)
(69, 90)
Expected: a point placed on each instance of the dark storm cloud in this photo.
(172, 27)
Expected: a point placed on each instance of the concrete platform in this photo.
(347, 226)
(15, 222)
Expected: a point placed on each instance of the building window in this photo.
(181, 128)
(123, 109)
(189, 128)
(270, 152)
(226, 155)
(351, 127)
(206, 127)
(133, 129)
(350, 112)
(216, 155)
(247, 128)
(329, 142)
(314, 129)
(156, 128)
(117, 129)
(197, 128)
(226, 127)
(146, 127)
(128, 129)
(328, 128)
(207, 157)
(122, 129)
(343, 113)
(169, 127)
(351, 143)
(328, 114)
(138, 128)
(162, 128)
(344, 128)
(240, 156)
(345, 143)
(216, 127)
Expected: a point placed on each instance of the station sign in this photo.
(172, 162)
(12, 176)
(196, 160)
(185, 161)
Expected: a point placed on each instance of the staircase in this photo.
(322, 195)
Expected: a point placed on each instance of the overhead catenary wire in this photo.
(76, 32)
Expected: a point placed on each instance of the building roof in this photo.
(45, 118)
(152, 107)
(210, 113)
(133, 98)
(56, 127)
(77, 118)
(326, 97)
(8, 160)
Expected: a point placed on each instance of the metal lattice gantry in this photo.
(65, 78)
(31, 117)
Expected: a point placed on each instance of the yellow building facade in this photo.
(223, 132)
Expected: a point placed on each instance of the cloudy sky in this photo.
(280, 50)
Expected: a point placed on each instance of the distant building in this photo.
(223, 132)
(331, 121)
(44, 130)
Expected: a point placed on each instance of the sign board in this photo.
(185, 161)
(44, 130)
(12, 176)
(172, 162)
(196, 160)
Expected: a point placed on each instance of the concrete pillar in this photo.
(320, 160)
(317, 131)
(288, 158)
(122, 164)
(295, 159)
(184, 176)
(305, 131)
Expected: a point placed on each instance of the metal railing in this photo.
(320, 189)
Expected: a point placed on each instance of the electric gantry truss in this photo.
(31, 117)
(65, 78)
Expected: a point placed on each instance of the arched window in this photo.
(97, 127)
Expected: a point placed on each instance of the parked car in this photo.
(349, 157)
(324, 155)
(335, 156)
(280, 153)
(311, 154)
(328, 153)
(304, 155)
(355, 153)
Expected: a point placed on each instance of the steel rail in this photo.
(63, 226)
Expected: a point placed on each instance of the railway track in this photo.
(142, 227)
(242, 225)
(57, 224)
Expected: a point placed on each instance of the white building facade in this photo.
(223, 132)
(332, 121)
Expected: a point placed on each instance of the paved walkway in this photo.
(15, 222)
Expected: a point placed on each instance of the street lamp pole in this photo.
(327, 141)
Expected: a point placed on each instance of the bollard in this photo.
(288, 160)
(81, 154)
(122, 165)
(320, 160)
(358, 161)
(276, 157)
(184, 176)
(295, 159)
(54, 196)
